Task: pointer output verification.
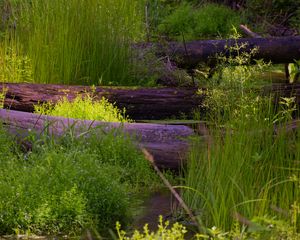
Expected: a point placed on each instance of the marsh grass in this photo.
(247, 167)
(246, 170)
(75, 41)
(66, 185)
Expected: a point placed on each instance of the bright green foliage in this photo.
(83, 108)
(75, 41)
(165, 231)
(67, 185)
(261, 228)
(209, 20)
(231, 92)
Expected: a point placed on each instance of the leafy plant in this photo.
(83, 107)
(180, 23)
(65, 185)
(14, 67)
(208, 20)
(215, 20)
(231, 92)
(165, 231)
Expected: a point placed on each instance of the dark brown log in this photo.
(167, 143)
(274, 49)
(140, 103)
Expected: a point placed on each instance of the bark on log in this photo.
(140, 103)
(167, 143)
(274, 49)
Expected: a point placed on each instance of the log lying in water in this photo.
(274, 49)
(140, 103)
(167, 143)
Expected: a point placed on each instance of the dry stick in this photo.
(248, 32)
(150, 158)
(241, 219)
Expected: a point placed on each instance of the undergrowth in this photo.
(264, 228)
(66, 185)
(207, 20)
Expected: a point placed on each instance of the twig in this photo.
(248, 32)
(150, 158)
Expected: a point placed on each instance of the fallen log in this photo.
(140, 103)
(190, 54)
(167, 143)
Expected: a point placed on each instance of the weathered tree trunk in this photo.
(274, 49)
(140, 103)
(167, 143)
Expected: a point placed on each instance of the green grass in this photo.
(72, 41)
(245, 176)
(246, 169)
(70, 184)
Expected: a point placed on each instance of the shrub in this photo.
(212, 20)
(67, 185)
(209, 20)
(165, 231)
(180, 23)
(83, 107)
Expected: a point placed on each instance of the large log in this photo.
(167, 143)
(140, 103)
(190, 54)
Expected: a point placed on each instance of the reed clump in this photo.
(73, 41)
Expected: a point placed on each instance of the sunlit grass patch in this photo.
(73, 41)
(84, 107)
